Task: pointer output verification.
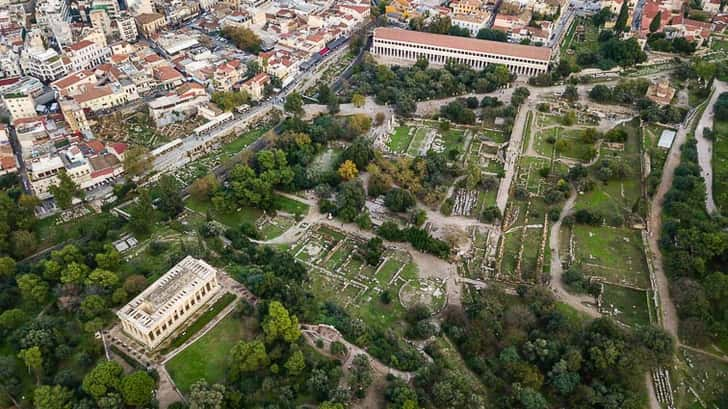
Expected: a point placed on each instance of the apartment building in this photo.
(127, 28)
(86, 54)
(19, 106)
(255, 86)
(44, 64)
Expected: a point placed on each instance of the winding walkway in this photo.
(705, 145)
(577, 302)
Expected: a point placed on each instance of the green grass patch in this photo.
(706, 376)
(206, 317)
(288, 205)
(417, 141)
(613, 253)
(400, 139)
(228, 218)
(631, 304)
(720, 164)
(243, 140)
(207, 357)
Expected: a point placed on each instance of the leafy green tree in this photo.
(519, 96)
(142, 214)
(52, 397)
(33, 359)
(102, 379)
(656, 21)
(373, 251)
(111, 401)
(227, 101)
(532, 399)
(10, 384)
(74, 273)
(169, 201)
(12, 319)
(399, 200)
(295, 363)
(279, 324)
(248, 356)
(65, 190)
(721, 107)
(102, 278)
(33, 288)
(204, 396)
(137, 388)
(243, 38)
(110, 259)
(7, 267)
(621, 23)
(137, 161)
(294, 104)
(350, 200)
(361, 375)
(492, 35)
(570, 93)
(360, 152)
(92, 306)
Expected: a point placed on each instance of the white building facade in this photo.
(154, 314)
(397, 46)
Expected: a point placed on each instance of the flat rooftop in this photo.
(156, 301)
(463, 43)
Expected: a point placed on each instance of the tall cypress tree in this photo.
(655, 23)
(622, 18)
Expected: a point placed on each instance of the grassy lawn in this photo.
(495, 135)
(510, 253)
(706, 376)
(206, 317)
(387, 271)
(207, 358)
(720, 165)
(242, 141)
(232, 219)
(631, 303)
(288, 205)
(718, 45)
(417, 142)
(541, 145)
(615, 254)
(400, 139)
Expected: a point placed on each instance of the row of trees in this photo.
(404, 86)
(632, 92)
(695, 246)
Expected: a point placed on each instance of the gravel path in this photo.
(705, 145)
(576, 301)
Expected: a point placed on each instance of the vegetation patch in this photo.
(207, 358)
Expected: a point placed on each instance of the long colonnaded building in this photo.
(163, 306)
(398, 46)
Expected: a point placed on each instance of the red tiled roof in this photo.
(71, 79)
(119, 147)
(91, 93)
(166, 73)
(8, 162)
(461, 43)
(96, 145)
(80, 45)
